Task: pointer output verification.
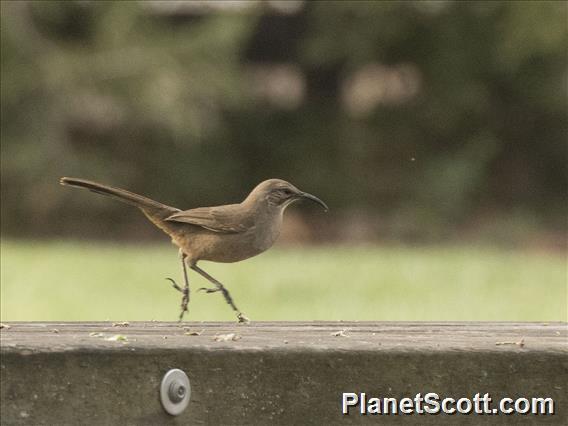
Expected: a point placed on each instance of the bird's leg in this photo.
(185, 290)
(220, 287)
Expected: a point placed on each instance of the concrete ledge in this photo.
(274, 373)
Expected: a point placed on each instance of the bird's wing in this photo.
(228, 219)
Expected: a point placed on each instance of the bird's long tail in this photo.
(146, 204)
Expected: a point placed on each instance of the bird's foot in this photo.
(242, 319)
(184, 302)
(184, 299)
(174, 285)
(209, 290)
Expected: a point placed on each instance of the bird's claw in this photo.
(209, 290)
(174, 285)
(242, 319)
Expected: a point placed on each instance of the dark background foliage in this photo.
(414, 121)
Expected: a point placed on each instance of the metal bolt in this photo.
(175, 391)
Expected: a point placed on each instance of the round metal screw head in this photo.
(175, 392)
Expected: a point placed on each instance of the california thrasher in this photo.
(224, 234)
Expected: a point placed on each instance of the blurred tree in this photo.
(417, 118)
(111, 91)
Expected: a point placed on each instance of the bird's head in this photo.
(278, 193)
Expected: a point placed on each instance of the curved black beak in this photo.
(314, 199)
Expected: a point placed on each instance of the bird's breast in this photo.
(202, 244)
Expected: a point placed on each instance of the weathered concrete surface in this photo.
(276, 373)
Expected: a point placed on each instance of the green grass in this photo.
(96, 281)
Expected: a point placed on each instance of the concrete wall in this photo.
(274, 373)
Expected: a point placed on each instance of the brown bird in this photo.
(229, 233)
